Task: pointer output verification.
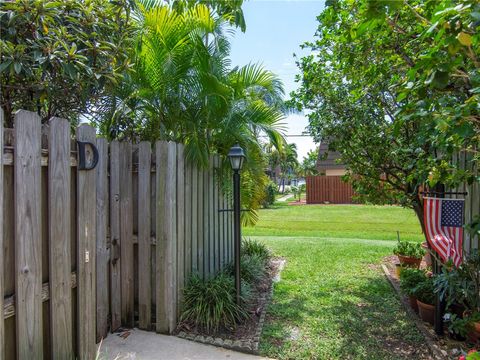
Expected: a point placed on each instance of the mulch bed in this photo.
(245, 337)
(441, 347)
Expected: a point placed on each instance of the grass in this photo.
(338, 221)
(333, 301)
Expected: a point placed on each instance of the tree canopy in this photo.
(393, 86)
(59, 57)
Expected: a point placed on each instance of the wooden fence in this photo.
(89, 251)
(463, 160)
(328, 189)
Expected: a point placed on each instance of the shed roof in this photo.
(330, 161)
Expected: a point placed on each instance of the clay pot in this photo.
(426, 311)
(409, 261)
(474, 334)
(398, 270)
(413, 303)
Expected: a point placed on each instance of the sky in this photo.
(275, 30)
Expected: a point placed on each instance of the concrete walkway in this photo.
(285, 198)
(143, 345)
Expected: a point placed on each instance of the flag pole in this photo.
(439, 192)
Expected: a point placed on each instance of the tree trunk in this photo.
(418, 208)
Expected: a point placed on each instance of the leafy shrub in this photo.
(211, 303)
(253, 247)
(252, 268)
(460, 285)
(59, 57)
(410, 278)
(270, 192)
(424, 291)
(409, 249)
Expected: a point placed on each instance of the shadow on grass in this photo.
(359, 322)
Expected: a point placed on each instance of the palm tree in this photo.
(288, 163)
(183, 89)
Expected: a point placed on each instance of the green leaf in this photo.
(18, 67)
(4, 66)
(464, 39)
(440, 79)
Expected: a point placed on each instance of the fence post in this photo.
(86, 227)
(28, 242)
(59, 207)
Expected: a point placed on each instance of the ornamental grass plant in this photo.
(210, 303)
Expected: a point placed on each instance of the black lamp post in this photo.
(236, 156)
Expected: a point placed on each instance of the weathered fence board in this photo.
(59, 228)
(102, 254)
(2, 290)
(144, 239)
(162, 235)
(188, 220)
(215, 216)
(180, 220)
(126, 232)
(206, 225)
(211, 225)
(28, 245)
(86, 277)
(171, 236)
(195, 225)
(200, 223)
(115, 271)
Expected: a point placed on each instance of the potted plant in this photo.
(460, 288)
(409, 253)
(409, 279)
(424, 292)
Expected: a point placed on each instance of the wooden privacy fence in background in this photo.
(328, 189)
(88, 251)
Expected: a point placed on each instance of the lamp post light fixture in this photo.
(236, 157)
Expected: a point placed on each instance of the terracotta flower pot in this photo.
(413, 303)
(426, 311)
(398, 270)
(409, 261)
(474, 333)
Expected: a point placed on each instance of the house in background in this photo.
(327, 163)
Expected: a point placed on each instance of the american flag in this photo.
(443, 223)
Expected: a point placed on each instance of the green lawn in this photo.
(338, 221)
(333, 301)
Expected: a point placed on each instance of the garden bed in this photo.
(441, 347)
(245, 337)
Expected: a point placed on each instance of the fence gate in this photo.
(96, 236)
